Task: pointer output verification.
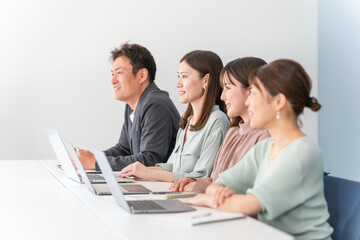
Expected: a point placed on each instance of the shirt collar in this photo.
(131, 116)
(244, 128)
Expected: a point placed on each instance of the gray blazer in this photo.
(151, 137)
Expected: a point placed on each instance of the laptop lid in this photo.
(95, 188)
(69, 147)
(166, 206)
(110, 179)
(62, 154)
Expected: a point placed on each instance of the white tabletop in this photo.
(39, 202)
(35, 205)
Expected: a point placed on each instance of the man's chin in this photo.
(119, 98)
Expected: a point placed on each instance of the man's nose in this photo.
(114, 80)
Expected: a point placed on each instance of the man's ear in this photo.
(143, 75)
(279, 101)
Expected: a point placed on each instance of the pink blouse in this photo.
(238, 141)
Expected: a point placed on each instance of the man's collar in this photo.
(147, 90)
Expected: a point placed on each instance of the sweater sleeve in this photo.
(242, 176)
(201, 184)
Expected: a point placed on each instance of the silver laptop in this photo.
(69, 169)
(101, 188)
(138, 206)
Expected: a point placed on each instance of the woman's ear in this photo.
(279, 101)
(206, 80)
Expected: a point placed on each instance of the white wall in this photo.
(55, 68)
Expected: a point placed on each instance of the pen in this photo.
(202, 215)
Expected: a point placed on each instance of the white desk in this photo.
(40, 203)
(34, 205)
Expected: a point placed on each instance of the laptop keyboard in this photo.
(144, 205)
(93, 177)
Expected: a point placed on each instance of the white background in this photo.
(55, 68)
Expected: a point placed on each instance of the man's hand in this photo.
(87, 159)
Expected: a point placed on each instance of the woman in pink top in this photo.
(240, 138)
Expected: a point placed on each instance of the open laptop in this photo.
(138, 206)
(69, 169)
(101, 188)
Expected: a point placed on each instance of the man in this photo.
(151, 119)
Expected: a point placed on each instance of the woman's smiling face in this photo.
(190, 84)
(234, 96)
(260, 107)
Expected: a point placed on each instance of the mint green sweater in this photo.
(290, 191)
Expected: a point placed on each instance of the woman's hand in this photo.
(221, 194)
(212, 200)
(136, 170)
(182, 184)
(201, 200)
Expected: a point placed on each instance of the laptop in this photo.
(101, 188)
(69, 169)
(137, 206)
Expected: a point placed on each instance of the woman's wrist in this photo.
(213, 188)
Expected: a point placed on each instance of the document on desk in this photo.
(195, 218)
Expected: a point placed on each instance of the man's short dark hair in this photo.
(139, 58)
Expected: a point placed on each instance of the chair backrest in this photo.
(343, 199)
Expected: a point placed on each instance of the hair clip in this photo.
(311, 101)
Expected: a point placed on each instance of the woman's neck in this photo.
(196, 106)
(245, 117)
(284, 133)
